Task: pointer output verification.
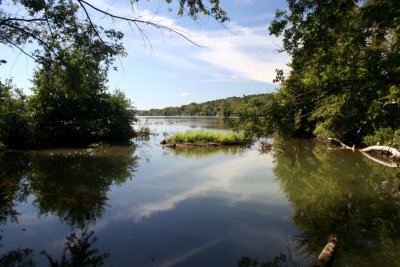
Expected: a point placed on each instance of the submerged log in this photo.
(327, 254)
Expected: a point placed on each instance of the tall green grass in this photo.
(206, 137)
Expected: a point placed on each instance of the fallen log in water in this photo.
(339, 142)
(395, 153)
(387, 149)
(327, 254)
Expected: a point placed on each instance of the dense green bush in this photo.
(384, 136)
(14, 121)
(66, 120)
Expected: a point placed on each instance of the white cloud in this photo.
(184, 94)
(226, 177)
(250, 52)
(247, 52)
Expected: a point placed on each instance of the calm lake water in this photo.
(148, 206)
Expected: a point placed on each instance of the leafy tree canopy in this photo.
(47, 21)
(70, 105)
(345, 74)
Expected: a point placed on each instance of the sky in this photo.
(163, 69)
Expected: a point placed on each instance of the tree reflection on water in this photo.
(341, 192)
(331, 192)
(72, 184)
(78, 252)
(203, 152)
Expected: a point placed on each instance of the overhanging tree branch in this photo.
(16, 46)
(138, 21)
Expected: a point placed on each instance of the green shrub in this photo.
(15, 130)
(384, 136)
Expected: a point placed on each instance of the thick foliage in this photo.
(384, 136)
(14, 123)
(70, 105)
(345, 77)
(58, 116)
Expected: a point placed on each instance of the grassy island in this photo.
(206, 138)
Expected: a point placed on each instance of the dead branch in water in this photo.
(395, 153)
(265, 148)
(386, 149)
(339, 142)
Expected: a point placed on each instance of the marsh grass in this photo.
(206, 137)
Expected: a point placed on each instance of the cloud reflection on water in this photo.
(233, 179)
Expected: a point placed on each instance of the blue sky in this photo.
(166, 70)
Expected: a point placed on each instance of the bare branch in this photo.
(3, 22)
(90, 22)
(138, 21)
(16, 46)
(33, 36)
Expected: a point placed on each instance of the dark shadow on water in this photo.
(281, 260)
(78, 252)
(72, 184)
(75, 186)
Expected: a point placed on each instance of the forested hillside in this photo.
(232, 106)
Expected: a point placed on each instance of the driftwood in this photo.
(339, 142)
(168, 145)
(387, 149)
(265, 148)
(327, 254)
(395, 153)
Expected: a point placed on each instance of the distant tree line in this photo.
(232, 106)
